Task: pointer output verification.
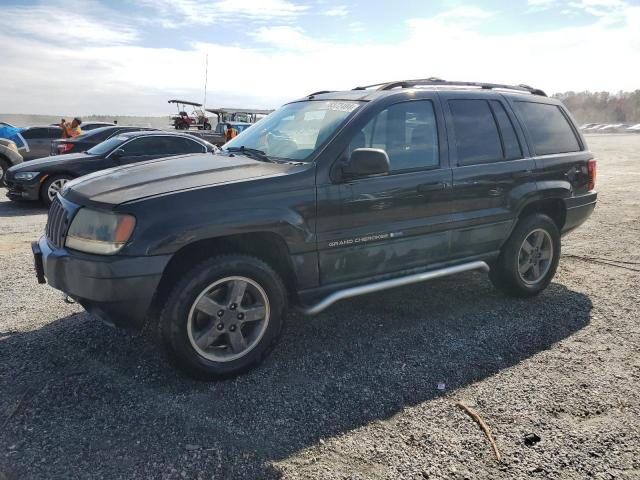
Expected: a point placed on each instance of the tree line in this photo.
(603, 107)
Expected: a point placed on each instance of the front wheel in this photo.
(224, 316)
(51, 187)
(529, 259)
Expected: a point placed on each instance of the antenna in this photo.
(206, 75)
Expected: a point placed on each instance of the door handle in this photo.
(496, 192)
(431, 187)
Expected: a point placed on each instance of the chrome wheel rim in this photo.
(55, 187)
(228, 319)
(535, 256)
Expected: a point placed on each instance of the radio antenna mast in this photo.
(206, 75)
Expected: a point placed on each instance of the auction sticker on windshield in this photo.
(342, 106)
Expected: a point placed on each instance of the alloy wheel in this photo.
(55, 187)
(535, 256)
(228, 319)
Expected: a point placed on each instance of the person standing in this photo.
(71, 129)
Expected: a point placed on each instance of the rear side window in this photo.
(476, 132)
(549, 129)
(55, 133)
(407, 131)
(35, 133)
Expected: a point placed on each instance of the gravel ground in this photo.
(350, 393)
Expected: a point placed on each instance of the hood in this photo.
(156, 177)
(43, 164)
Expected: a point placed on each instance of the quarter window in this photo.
(549, 129)
(407, 131)
(510, 143)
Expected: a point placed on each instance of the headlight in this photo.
(104, 233)
(26, 175)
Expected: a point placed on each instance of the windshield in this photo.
(295, 131)
(106, 146)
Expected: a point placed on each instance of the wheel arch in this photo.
(264, 245)
(553, 207)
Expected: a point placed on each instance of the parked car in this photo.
(332, 196)
(90, 139)
(42, 179)
(9, 156)
(38, 140)
(634, 128)
(589, 125)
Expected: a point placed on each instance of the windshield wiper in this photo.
(250, 152)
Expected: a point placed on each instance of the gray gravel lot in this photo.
(350, 393)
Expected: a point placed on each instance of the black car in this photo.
(90, 139)
(42, 179)
(332, 196)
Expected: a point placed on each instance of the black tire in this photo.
(46, 186)
(174, 323)
(4, 166)
(207, 126)
(505, 273)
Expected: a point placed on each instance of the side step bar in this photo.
(394, 282)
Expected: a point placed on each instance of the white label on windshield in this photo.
(342, 106)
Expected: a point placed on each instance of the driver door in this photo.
(379, 225)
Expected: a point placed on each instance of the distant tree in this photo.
(603, 107)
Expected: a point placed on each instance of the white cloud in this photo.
(70, 22)
(177, 13)
(339, 11)
(43, 77)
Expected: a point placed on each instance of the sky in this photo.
(125, 57)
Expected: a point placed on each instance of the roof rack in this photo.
(319, 93)
(434, 81)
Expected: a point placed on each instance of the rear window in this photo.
(549, 129)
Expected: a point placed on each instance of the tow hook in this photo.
(68, 299)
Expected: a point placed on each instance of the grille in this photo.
(57, 224)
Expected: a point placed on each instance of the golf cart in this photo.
(183, 121)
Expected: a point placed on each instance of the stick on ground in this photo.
(485, 428)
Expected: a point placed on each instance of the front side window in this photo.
(549, 128)
(407, 131)
(297, 130)
(179, 146)
(145, 146)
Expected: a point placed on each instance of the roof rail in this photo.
(434, 81)
(319, 93)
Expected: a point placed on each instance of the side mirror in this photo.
(117, 154)
(365, 162)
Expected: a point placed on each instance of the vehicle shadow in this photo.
(10, 208)
(113, 400)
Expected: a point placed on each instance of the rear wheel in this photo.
(529, 259)
(51, 187)
(223, 317)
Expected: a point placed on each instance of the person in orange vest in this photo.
(71, 129)
(231, 132)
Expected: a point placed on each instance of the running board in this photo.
(394, 282)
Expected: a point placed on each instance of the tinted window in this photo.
(145, 146)
(476, 133)
(406, 131)
(510, 143)
(55, 133)
(35, 133)
(549, 128)
(181, 146)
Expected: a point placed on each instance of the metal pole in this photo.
(206, 74)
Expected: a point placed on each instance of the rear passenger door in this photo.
(491, 173)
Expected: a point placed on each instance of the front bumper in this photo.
(23, 191)
(579, 209)
(117, 289)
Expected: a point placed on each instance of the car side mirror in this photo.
(365, 162)
(117, 154)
